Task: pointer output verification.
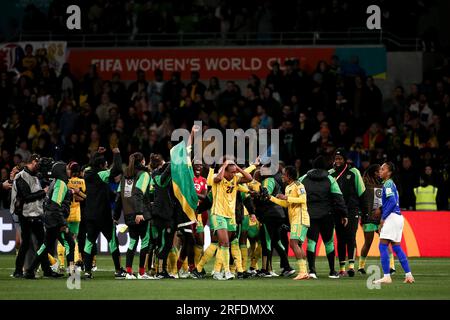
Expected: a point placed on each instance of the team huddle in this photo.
(250, 213)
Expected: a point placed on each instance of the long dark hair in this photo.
(133, 162)
(370, 178)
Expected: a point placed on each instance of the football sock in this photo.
(198, 251)
(225, 251)
(362, 262)
(384, 257)
(236, 254)
(244, 254)
(61, 254)
(207, 255)
(302, 266)
(402, 258)
(51, 259)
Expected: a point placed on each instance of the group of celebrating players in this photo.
(250, 213)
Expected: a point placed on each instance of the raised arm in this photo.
(220, 175)
(246, 176)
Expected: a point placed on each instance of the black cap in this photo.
(341, 152)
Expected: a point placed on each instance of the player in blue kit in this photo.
(391, 226)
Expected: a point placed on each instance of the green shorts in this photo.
(222, 223)
(74, 227)
(253, 231)
(199, 228)
(370, 227)
(245, 224)
(298, 231)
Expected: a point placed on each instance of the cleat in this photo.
(362, 271)
(144, 277)
(218, 276)
(29, 275)
(343, 274)
(88, 275)
(94, 268)
(183, 274)
(392, 271)
(243, 275)
(384, 280)
(333, 275)
(287, 272)
(130, 276)
(228, 275)
(17, 275)
(302, 276)
(121, 274)
(164, 275)
(197, 274)
(351, 273)
(409, 279)
(264, 274)
(313, 275)
(55, 266)
(273, 274)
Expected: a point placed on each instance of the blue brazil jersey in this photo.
(389, 199)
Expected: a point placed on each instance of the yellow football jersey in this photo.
(75, 211)
(296, 194)
(224, 197)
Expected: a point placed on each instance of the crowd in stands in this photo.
(69, 118)
(195, 16)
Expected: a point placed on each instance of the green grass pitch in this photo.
(432, 282)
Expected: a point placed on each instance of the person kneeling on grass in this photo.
(391, 226)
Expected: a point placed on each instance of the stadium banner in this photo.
(226, 63)
(425, 234)
(11, 53)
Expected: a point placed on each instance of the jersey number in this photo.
(230, 189)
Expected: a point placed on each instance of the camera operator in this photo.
(27, 198)
(56, 211)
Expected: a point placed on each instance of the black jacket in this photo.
(323, 195)
(57, 202)
(98, 192)
(164, 209)
(139, 202)
(352, 187)
(265, 209)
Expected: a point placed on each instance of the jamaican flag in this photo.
(183, 179)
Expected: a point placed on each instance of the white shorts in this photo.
(392, 228)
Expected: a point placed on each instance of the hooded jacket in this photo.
(323, 194)
(133, 196)
(98, 194)
(57, 202)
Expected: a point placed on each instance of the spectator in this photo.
(426, 195)
(22, 150)
(104, 108)
(409, 179)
